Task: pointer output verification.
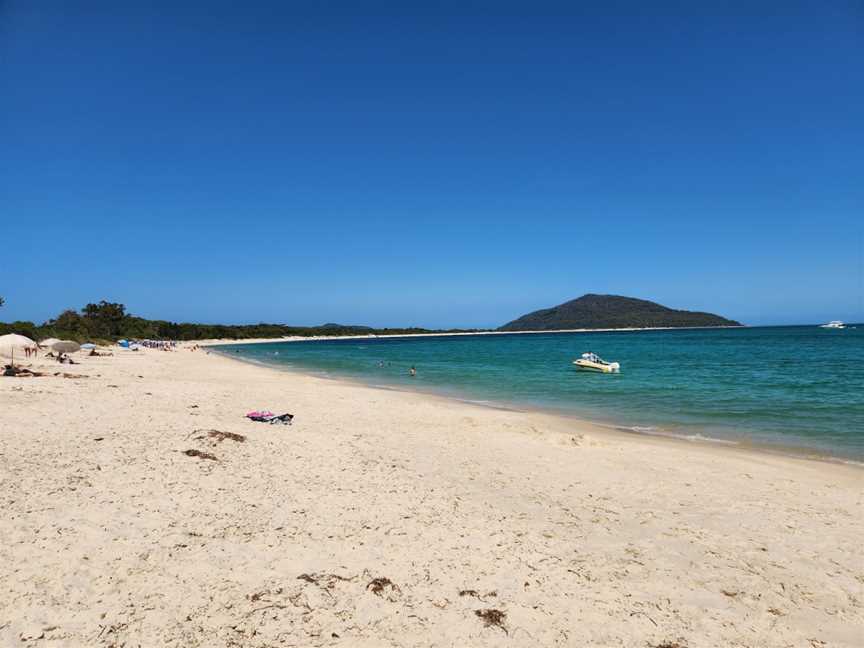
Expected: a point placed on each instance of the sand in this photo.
(385, 518)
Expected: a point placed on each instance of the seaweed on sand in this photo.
(221, 436)
(493, 618)
(378, 585)
(200, 455)
(476, 594)
(328, 580)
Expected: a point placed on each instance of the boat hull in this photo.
(587, 365)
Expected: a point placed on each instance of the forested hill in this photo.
(106, 321)
(611, 312)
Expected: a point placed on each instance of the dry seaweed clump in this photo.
(493, 618)
(324, 580)
(669, 644)
(478, 595)
(219, 436)
(379, 585)
(260, 596)
(200, 455)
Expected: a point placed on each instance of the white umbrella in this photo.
(12, 344)
(48, 343)
(65, 346)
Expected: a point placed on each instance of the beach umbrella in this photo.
(13, 344)
(65, 346)
(88, 346)
(47, 343)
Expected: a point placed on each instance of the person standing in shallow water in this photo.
(412, 371)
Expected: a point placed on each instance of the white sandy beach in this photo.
(385, 518)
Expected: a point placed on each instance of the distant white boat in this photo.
(593, 362)
(834, 324)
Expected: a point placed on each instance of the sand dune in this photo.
(383, 518)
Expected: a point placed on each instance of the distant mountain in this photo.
(612, 311)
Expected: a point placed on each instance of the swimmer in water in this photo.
(412, 371)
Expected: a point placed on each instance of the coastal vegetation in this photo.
(612, 312)
(109, 321)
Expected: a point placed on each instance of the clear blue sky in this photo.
(448, 165)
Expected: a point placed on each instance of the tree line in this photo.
(108, 322)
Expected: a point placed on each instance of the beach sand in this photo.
(386, 518)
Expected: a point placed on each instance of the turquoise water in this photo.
(796, 387)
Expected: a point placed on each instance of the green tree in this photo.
(68, 320)
(105, 319)
(27, 329)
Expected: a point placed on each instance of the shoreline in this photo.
(139, 506)
(694, 437)
(565, 422)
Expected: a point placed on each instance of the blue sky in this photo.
(449, 165)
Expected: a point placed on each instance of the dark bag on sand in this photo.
(284, 419)
(270, 417)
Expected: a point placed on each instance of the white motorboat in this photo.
(834, 324)
(592, 362)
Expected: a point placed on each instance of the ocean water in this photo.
(794, 387)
